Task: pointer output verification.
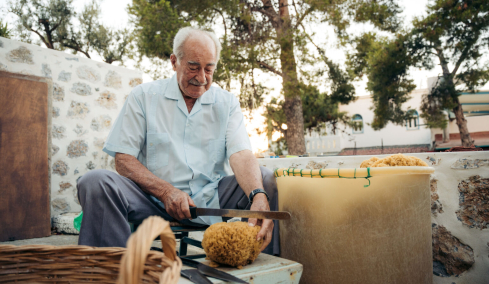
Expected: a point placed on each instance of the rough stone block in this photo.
(64, 76)
(467, 164)
(98, 142)
(88, 73)
(58, 93)
(101, 123)
(20, 55)
(54, 149)
(60, 168)
(64, 186)
(107, 100)
(46, 70)
(60, 205)
(79, 130)
(77, 148)
(91, 166)
(58, 132)
(55, 112)
(474, 202)
(450, 255)
(78, 110)
(3, 67)
(81, 89)
(135, 81)
(436, 206)
(113, 80)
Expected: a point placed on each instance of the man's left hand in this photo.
(260, 203)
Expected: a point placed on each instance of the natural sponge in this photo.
(233, 243)
(398, 160)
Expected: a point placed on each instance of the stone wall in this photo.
(459, 208)
(87, 98)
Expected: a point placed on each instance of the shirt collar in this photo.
(173, 92)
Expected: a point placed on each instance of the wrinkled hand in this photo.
(177, 203)
(260, 203)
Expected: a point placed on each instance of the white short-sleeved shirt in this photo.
(187, 150)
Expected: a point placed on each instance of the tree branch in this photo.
(443, 61)
(270, 68)
(223, 21)
(463, 56)
(301, 18)
(264, 12)
(42, 38)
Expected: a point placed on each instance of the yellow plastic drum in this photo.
(369, 226)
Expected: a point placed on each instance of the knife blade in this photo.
(210, 271)
(276, 215)
(195, 276)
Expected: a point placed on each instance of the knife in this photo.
(195, 276)
(276, 215)
(212, 272)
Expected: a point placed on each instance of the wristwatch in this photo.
(255, 192)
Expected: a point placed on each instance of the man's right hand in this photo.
(177, 203)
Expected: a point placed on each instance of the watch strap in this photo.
(255, 192)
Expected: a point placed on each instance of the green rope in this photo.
(367, 178)
(338, 175)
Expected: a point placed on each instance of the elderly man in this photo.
(171, 142)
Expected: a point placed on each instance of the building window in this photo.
(357, 124)
(412, 123)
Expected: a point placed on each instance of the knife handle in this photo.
(193, 212)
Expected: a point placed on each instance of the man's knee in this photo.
(93, 184)
(269, 182)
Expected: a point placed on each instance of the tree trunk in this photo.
(458, 111)
(462, 125)
(290, 84)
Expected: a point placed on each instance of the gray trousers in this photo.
(109, 201)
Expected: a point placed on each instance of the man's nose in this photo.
(201, 76)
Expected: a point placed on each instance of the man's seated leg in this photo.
(231, 196)
(108, 202)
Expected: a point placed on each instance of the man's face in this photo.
(195, 69)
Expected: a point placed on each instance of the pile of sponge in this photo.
(398, 160)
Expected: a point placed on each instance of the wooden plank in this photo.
(24, 164)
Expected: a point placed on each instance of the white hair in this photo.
(184, 33)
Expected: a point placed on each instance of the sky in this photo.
(114, 14)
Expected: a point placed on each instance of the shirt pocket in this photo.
(217, 150)
(158, 150)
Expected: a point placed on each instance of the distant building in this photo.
(412, 137)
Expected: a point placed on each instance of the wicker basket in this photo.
(75, 264)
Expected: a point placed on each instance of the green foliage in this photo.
(454, 33)
(49, 19)
(59, 27)
(4, 31)
(386, 63)
(268, 36)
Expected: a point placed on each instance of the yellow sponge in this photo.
(233, 243)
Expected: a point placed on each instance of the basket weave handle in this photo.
(138, 246)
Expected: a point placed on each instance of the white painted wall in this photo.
(96, 89)
(392, 134)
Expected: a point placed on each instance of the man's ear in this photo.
(173, 60)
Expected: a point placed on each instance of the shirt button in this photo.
(150, 144)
